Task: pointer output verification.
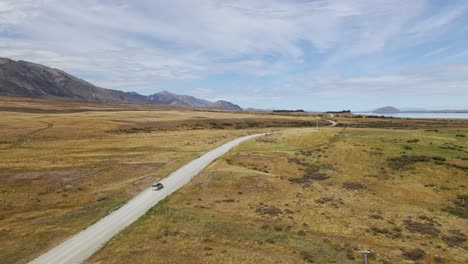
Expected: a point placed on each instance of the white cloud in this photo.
(142, 45)
(451, 80)
(437, 21)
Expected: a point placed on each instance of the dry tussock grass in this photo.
(364, 203)
(62, 169)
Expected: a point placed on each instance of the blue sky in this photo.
(315, 55)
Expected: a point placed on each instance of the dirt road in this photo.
(81, 246)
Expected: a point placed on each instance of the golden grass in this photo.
(229, 213)
(63, 167)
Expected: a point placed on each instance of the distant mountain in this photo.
(27, 79)
(393, 110)
(168, 98)
(386, 110)
(221, 104)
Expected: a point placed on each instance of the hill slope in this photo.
(221, 104)
(27, 79)
(168, 98)
(386, 109)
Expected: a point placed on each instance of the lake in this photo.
(421, 115)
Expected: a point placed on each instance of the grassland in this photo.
(65, 164)
(396, 186)
(308, 196)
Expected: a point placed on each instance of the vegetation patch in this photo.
(306, 153)
(376, 217)
(307, 256)
(268, 210)
(132, 130)
(404, 162)
(458, 164)
(427, 228)
(221, 123)
(230, 200)
(329, 167)
(454, 240)
(415, 254)
(310, 175)
(353, 186)
(391, 233)
(459, 206)
(407, 147)
(451, 146)
(323, 200)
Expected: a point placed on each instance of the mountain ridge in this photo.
(394, 110)
(28, 79)
(386, 109)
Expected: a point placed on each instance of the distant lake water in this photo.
(421, 115)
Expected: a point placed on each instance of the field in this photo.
(65, 164)
(396, 186)
(308, 196)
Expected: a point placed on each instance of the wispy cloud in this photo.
(440, 80)
(438, 21)
(147, 45)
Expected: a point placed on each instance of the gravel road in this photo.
(81, 246)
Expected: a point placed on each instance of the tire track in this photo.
(29, 135)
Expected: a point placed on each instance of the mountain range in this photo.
(28, 79)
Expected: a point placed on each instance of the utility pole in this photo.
(365, 252)
(317, 119)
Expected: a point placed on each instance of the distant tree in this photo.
(339, 112)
